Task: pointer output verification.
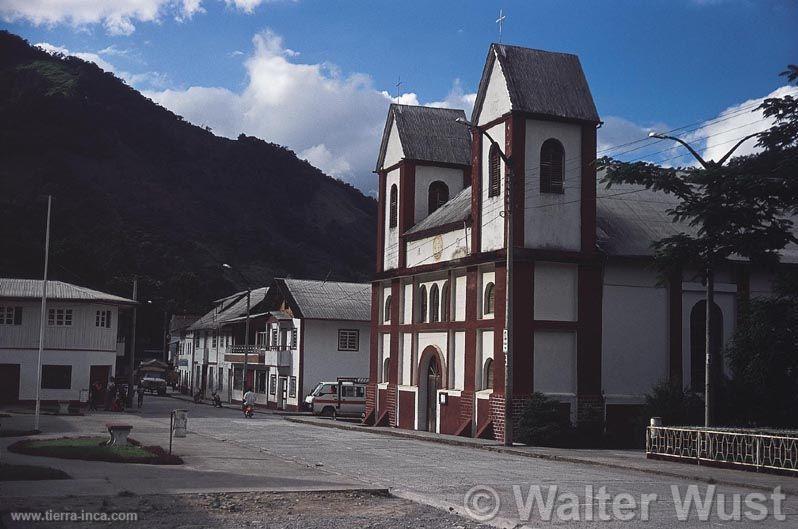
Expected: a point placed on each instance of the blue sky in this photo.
(309, 73)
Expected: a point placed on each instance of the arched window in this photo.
(698, 342)
(490, 299)
(552, 165)
(487, 374)
(438, 195)
(422, 296)
(434, 304)
(387, 312)
(392, 217)
(494, 172)
(385, 369)
(445, 302)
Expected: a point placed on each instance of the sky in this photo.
(318, 75)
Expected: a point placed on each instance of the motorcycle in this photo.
(217, 402)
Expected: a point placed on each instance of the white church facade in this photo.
(594, 327)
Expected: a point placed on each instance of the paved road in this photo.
(443, 474)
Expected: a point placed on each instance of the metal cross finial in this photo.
(398, 85)
(500, 22)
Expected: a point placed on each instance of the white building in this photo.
(593, 326)
(300, 333)
(80, 339)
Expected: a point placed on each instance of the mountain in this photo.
(140, 193)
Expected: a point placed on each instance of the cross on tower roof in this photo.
(500, 22)
(398, 84)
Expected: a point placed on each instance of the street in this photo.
(226, 452)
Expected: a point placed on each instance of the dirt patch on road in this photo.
(331, 510)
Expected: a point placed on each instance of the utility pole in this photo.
(246, 345)
(507, 338)
(43, 315)
(508, 305)
(132, 365)
(709, 361)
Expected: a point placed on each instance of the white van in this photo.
(346, 397)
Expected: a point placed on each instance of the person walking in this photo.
(140, 395)
(93, 397)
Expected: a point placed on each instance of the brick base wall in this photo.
(371, 402)
(391, 404)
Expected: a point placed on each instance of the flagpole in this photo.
(43, 314)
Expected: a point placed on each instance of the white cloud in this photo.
(117, 16)
(457, 98)
(138, 80)
(248, 6)
(333, 120)
(716, 137)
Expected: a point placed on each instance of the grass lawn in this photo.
(30, 472)
(94, 449)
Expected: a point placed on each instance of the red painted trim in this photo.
(476, 191)
(374, 338)
(407, 206)
(675, 328)
(381, 223)
(515, 143)
(469, 367)
(492, 123)
(500, 285)
(588, 191)
(393, 362)
(482, 258)
(588, 343)
(427, 163)
(523, 316)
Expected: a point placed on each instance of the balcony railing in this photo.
(754, 449)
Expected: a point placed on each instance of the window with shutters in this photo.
(59, 317)
(494, 172)
(293, 338)
(292, 387)
(387, 311)
(490, 299)
(438, 195)
(393, 216)
(348, 339)
(434, 304)
(103, 319)
(552, 166)
(10, 315)
(422, 296)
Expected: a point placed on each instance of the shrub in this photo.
(542, 423)
(674, 405)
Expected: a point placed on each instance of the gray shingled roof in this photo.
(540, 82)
(429, 134)
(329, 300)
(56, 290)
(229, 308)
(456, 209)
(630, 218)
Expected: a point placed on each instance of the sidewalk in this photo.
(633, 460)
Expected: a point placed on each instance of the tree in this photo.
(741, 209)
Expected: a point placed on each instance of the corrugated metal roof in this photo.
(180, 322)
(56, 290)
(456, 209)
(330, 300)
(229, 308)
(540, 82)
(428, 133)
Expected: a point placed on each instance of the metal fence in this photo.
(746, 449)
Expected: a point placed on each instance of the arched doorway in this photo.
(433, 385)
(431, 376)
(698, 342)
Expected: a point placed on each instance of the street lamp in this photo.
(508, 303)
(709, 396)
(246, 327)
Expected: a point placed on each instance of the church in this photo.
(594, 326)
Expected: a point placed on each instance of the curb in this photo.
(547, 457)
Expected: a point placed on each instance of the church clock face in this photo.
(437, 247)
